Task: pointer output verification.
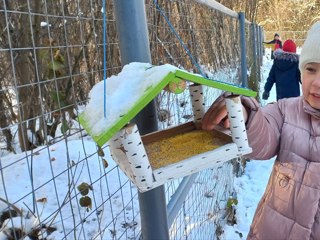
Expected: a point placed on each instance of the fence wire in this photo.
(55, 182)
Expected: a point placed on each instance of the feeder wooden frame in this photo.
(127, 146)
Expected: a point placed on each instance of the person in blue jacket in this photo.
(284, 72)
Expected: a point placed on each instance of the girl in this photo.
(290, 129)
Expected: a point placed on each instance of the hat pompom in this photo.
(310, 51)
(289, 46)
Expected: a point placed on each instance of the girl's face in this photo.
(311, 84)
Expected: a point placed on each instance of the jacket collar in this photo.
(287, 56)
(310, 110)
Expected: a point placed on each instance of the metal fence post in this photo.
(254, 50)
(243, 49)
(261, 35)
(258, 44)
(134, 47)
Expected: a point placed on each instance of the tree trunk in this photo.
(24, 78)
(3, 121)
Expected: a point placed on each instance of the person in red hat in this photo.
(284, 73)
(276, 42)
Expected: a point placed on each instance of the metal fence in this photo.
(55, 182)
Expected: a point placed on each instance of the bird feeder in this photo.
(153, 159)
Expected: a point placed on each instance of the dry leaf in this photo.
(84, 188)
(105, 163)
(85, 202)
(100, 152)
(42, 200)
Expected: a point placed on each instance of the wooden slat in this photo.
(183, 128)
(159, 135)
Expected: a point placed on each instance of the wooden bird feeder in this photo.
(153, 159)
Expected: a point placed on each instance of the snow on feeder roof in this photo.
(153, 159)
(130, 91)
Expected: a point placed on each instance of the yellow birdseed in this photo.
(180, 147)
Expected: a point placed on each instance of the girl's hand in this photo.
(218, 114)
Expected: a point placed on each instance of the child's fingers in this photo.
(226, 123)
(214, 116)
(207, 123)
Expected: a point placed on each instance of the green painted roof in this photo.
(151, 93)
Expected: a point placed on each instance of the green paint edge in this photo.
(215, 84)
(152, 92)
(149, 95)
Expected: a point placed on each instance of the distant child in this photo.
(284, 72)
(276, 42)
(290, 130)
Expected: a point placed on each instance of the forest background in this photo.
(275, 15)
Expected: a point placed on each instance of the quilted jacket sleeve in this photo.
(263, 128)
(272, 41)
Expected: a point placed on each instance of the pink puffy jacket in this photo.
(290, 129)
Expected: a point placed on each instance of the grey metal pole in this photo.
(243, 49)
(179, 196)
(134, 47)
(254, 38)
(256, 27)
(261, 35)
(261, 49)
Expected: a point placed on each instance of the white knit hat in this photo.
(310, 51)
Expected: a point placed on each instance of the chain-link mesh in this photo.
(52, 55)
